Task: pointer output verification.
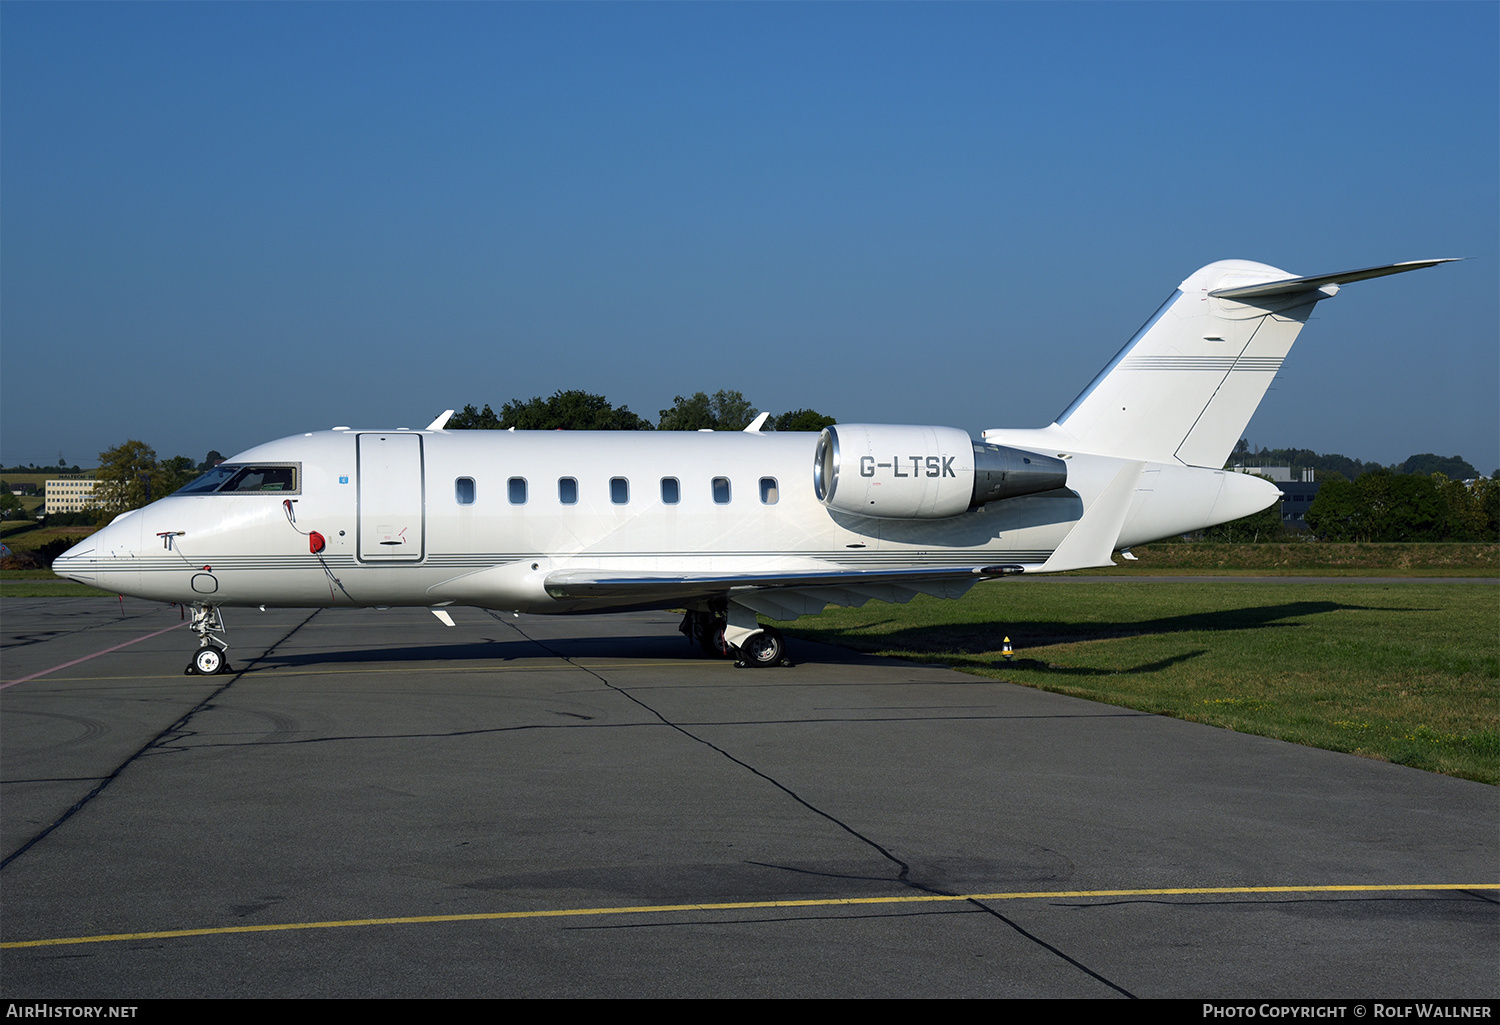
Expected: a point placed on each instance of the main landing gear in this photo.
(209, 658)
(761, 647)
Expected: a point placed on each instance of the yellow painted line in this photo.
(743, 906)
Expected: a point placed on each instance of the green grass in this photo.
(42, 583)
(1306, 557)
(28, 535)
(1406, 673)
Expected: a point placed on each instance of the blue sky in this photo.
(225, 223)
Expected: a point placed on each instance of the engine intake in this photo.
(904, 473)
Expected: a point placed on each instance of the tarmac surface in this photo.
(571, 803)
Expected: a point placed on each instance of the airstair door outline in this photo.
(392, 504)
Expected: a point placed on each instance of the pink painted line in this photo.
(106, 651)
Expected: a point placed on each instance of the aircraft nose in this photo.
(75, 560)
(97, 553)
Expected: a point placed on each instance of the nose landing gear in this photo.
(209, 658)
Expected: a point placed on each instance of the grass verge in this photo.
(1403, 673)
(11, 587)
(1315, 558)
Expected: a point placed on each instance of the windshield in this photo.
(227, 479)
(210, 481)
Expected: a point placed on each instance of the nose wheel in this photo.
(207, 662)
(209, 659)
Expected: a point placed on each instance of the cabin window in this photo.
(567, 490)
(516, 487)
(463, 490)
(721, 490)
(769, 493)
(619, 490)
(671, 491)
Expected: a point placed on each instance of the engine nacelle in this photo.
(906, 473)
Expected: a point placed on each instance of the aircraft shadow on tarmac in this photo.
(980, 638)
(960, 639)
(491, 650)
(649, 647)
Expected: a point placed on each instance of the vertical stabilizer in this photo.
(1184, 388)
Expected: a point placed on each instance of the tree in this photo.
(724, 411)
(800, 420)
(569, 411)
(1404, 507)
(1472, 511)
(1335, 514)
(1452, 467)
(564, 411)
(1385, 506)
(471, 419)
(176, 473)
(214, 458)
(128, 477)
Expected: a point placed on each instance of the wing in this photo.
(778, 595)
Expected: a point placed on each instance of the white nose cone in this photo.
(71, 564)
(85, 561)
(1242, 495)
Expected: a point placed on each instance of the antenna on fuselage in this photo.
(441, 421)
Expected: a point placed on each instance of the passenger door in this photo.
(391, 499)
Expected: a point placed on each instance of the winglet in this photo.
(441, 421)
(1093, 537)
(758, 423)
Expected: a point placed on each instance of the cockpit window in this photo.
(243, 480)
(210, 481)
(263, 478)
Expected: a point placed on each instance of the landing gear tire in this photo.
(764, 648)
(713, 642)
(207, 662)
(706, 630)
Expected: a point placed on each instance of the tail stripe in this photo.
(1217, 364)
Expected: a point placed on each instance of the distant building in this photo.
(70, 494)
(1296, 498)
(1296, 495)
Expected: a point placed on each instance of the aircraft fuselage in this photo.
(484, 517)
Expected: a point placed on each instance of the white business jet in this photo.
(728, 525)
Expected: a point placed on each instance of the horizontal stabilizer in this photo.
(1292, 286)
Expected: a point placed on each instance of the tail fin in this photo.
(1184, 388)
